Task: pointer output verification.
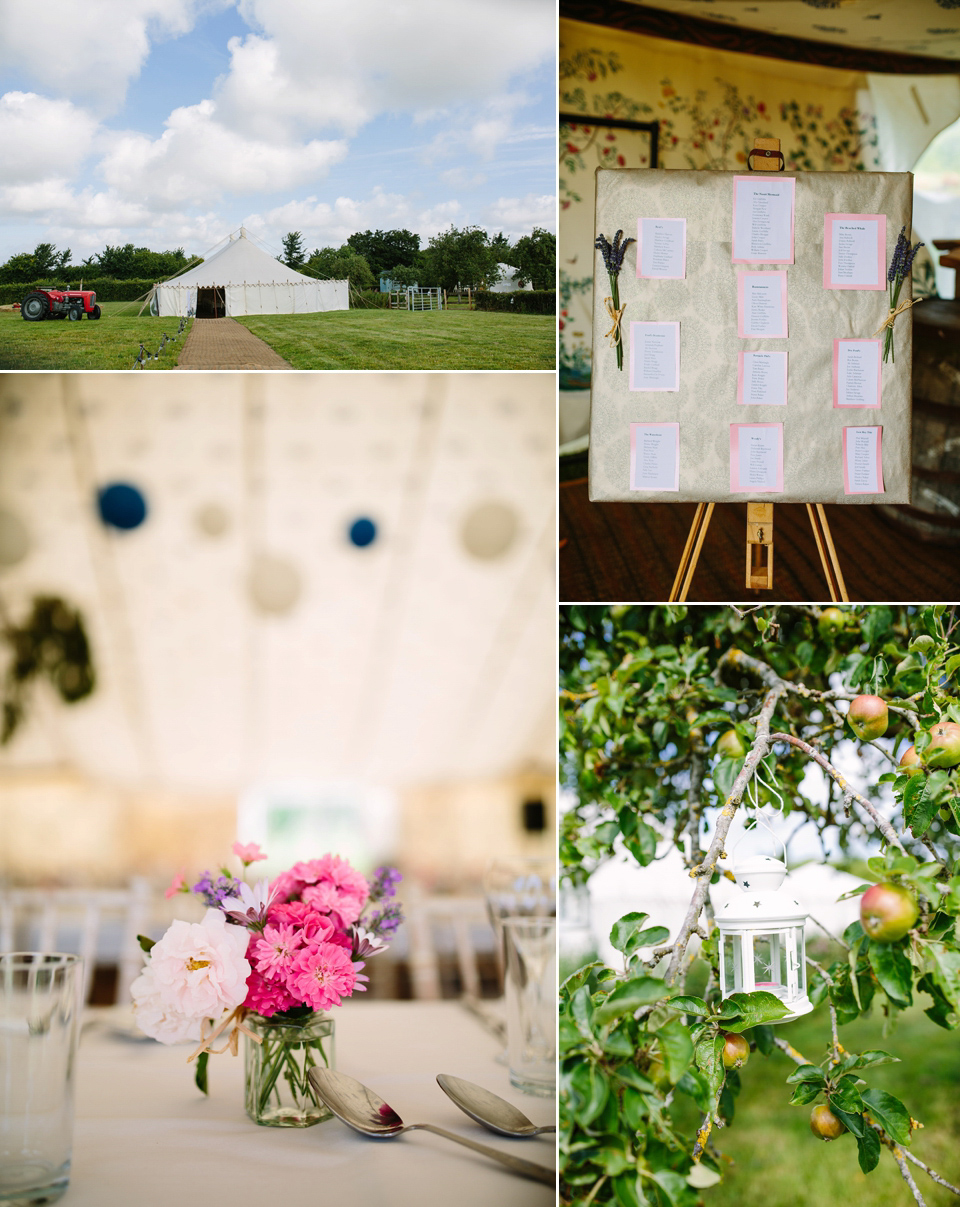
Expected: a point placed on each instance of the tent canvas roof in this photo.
(239, 261)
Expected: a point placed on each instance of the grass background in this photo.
(337, 339)
(778, 1162)
(111, 342)
(401, 339)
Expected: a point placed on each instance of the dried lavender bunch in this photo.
(613, 254)
(901, 264)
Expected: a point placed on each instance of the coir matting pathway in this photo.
(225, 344)
(630, 551)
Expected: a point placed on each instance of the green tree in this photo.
(535, 257)
(43, 262)
(340, 264)
(646, 692)
(384, 250)
(405, 274)
(461, 257)
(294, 253)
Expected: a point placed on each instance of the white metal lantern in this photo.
(761, 936)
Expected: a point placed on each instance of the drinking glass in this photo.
(40, 1005)
(522, 886)
(530, 945)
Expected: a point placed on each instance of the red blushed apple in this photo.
(944, 748)
(910, 761)
(868, 717)
(824, 1124)
(887, 911)
(730, 745)
(736, 1051)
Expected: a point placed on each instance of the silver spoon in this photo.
(488, 1109)
(361, 1109)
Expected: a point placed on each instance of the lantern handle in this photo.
(757, 807)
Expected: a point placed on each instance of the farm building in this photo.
(242, 278)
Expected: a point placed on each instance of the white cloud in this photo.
(517, 216)
(36, 132)
(197, 159)
(325, 63)
(90, 48)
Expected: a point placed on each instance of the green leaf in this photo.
(701, 1176)
(890, 1113)
(624, 927)
(866, 1060)
(724, 774)
(581, 1009)
(634, 1108)
(919, 805)
(696, 1087)
(628, 1190)
(593, 1094)
(855, 892)
(946, 972)
(852, 1122)
(676, 1048)
(651, 937)
(628, 997)
(808, 1073)
(709, 1057)
(689, 1005)
(673, 1185)
(805, 1092)
(146, 943)
(580, 977)
(941, 1012)
(629, 1075)
(757, 1007)
(643, 845)
(868, 1146)
(200, 1075)
(846, 1096)
(894, 972)
(764, 1037)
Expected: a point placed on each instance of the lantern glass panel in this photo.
(801, 960)
(766, 964)
(784, 971)
(732, 982)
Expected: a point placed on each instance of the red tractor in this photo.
(59, 304)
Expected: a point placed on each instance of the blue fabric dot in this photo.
(122, 506)
(363, 532)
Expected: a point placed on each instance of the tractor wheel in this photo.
(95, 312)
(75, 314)
(35, 307)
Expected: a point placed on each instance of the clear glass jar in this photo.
(278, 1093)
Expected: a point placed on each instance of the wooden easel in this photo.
(766, 156)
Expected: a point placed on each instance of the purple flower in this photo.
(613, 253)
(384, 884)
(385, 922)
(213, 891)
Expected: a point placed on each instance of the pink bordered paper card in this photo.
(762, 305)
(762, 379)
(654, 356)
(856, 373)
(854, 251)
(654, 456)
(862, 461)
(662, 249)
(763, 217)
(756, 458)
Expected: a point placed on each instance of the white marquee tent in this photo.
(242, 278)
(508, 280)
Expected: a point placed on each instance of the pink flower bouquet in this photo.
(283, 951)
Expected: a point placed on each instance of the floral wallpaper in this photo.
(711, 105)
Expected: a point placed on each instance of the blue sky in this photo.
(168, 123)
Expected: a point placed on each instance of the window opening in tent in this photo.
(936, 200)
(211, 302)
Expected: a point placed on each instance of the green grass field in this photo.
(400, 339)
(779, 1163)
(111, 343)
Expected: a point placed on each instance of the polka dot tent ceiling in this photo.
(241, 633)
(122, 506)
(489, 530)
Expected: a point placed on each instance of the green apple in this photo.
(730, 745)
(910, 761)
(830, 622)
(824, 1124)
(944, 748)
(736, 1050)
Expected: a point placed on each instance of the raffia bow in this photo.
(233, 1043)
(889, 320)
(614, 335)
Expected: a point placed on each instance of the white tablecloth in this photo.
(146, 1136)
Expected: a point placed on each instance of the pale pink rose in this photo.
(198, 969)
(156, 1020)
